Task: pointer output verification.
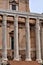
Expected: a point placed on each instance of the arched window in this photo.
(13, 5)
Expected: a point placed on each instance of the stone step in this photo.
(23, 63)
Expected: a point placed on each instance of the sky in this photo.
(36, 6)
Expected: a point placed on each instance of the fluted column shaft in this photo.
(4, 38)
(28, 45)
(42, 41)
(38, 45)
(16, 46)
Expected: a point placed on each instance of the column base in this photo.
(17, 58)
(28, 59)
(4, 59)
(39, 60)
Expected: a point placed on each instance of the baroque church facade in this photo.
(21, 32)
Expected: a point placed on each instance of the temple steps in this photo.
(23, 63)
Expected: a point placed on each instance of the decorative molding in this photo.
(22, 14)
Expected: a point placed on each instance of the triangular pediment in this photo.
(13, 1)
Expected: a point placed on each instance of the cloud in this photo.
(36, 6)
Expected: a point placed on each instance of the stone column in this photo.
(16, 46)
(4, 38)
(28, 45)
(42, 40)
(38, 45)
